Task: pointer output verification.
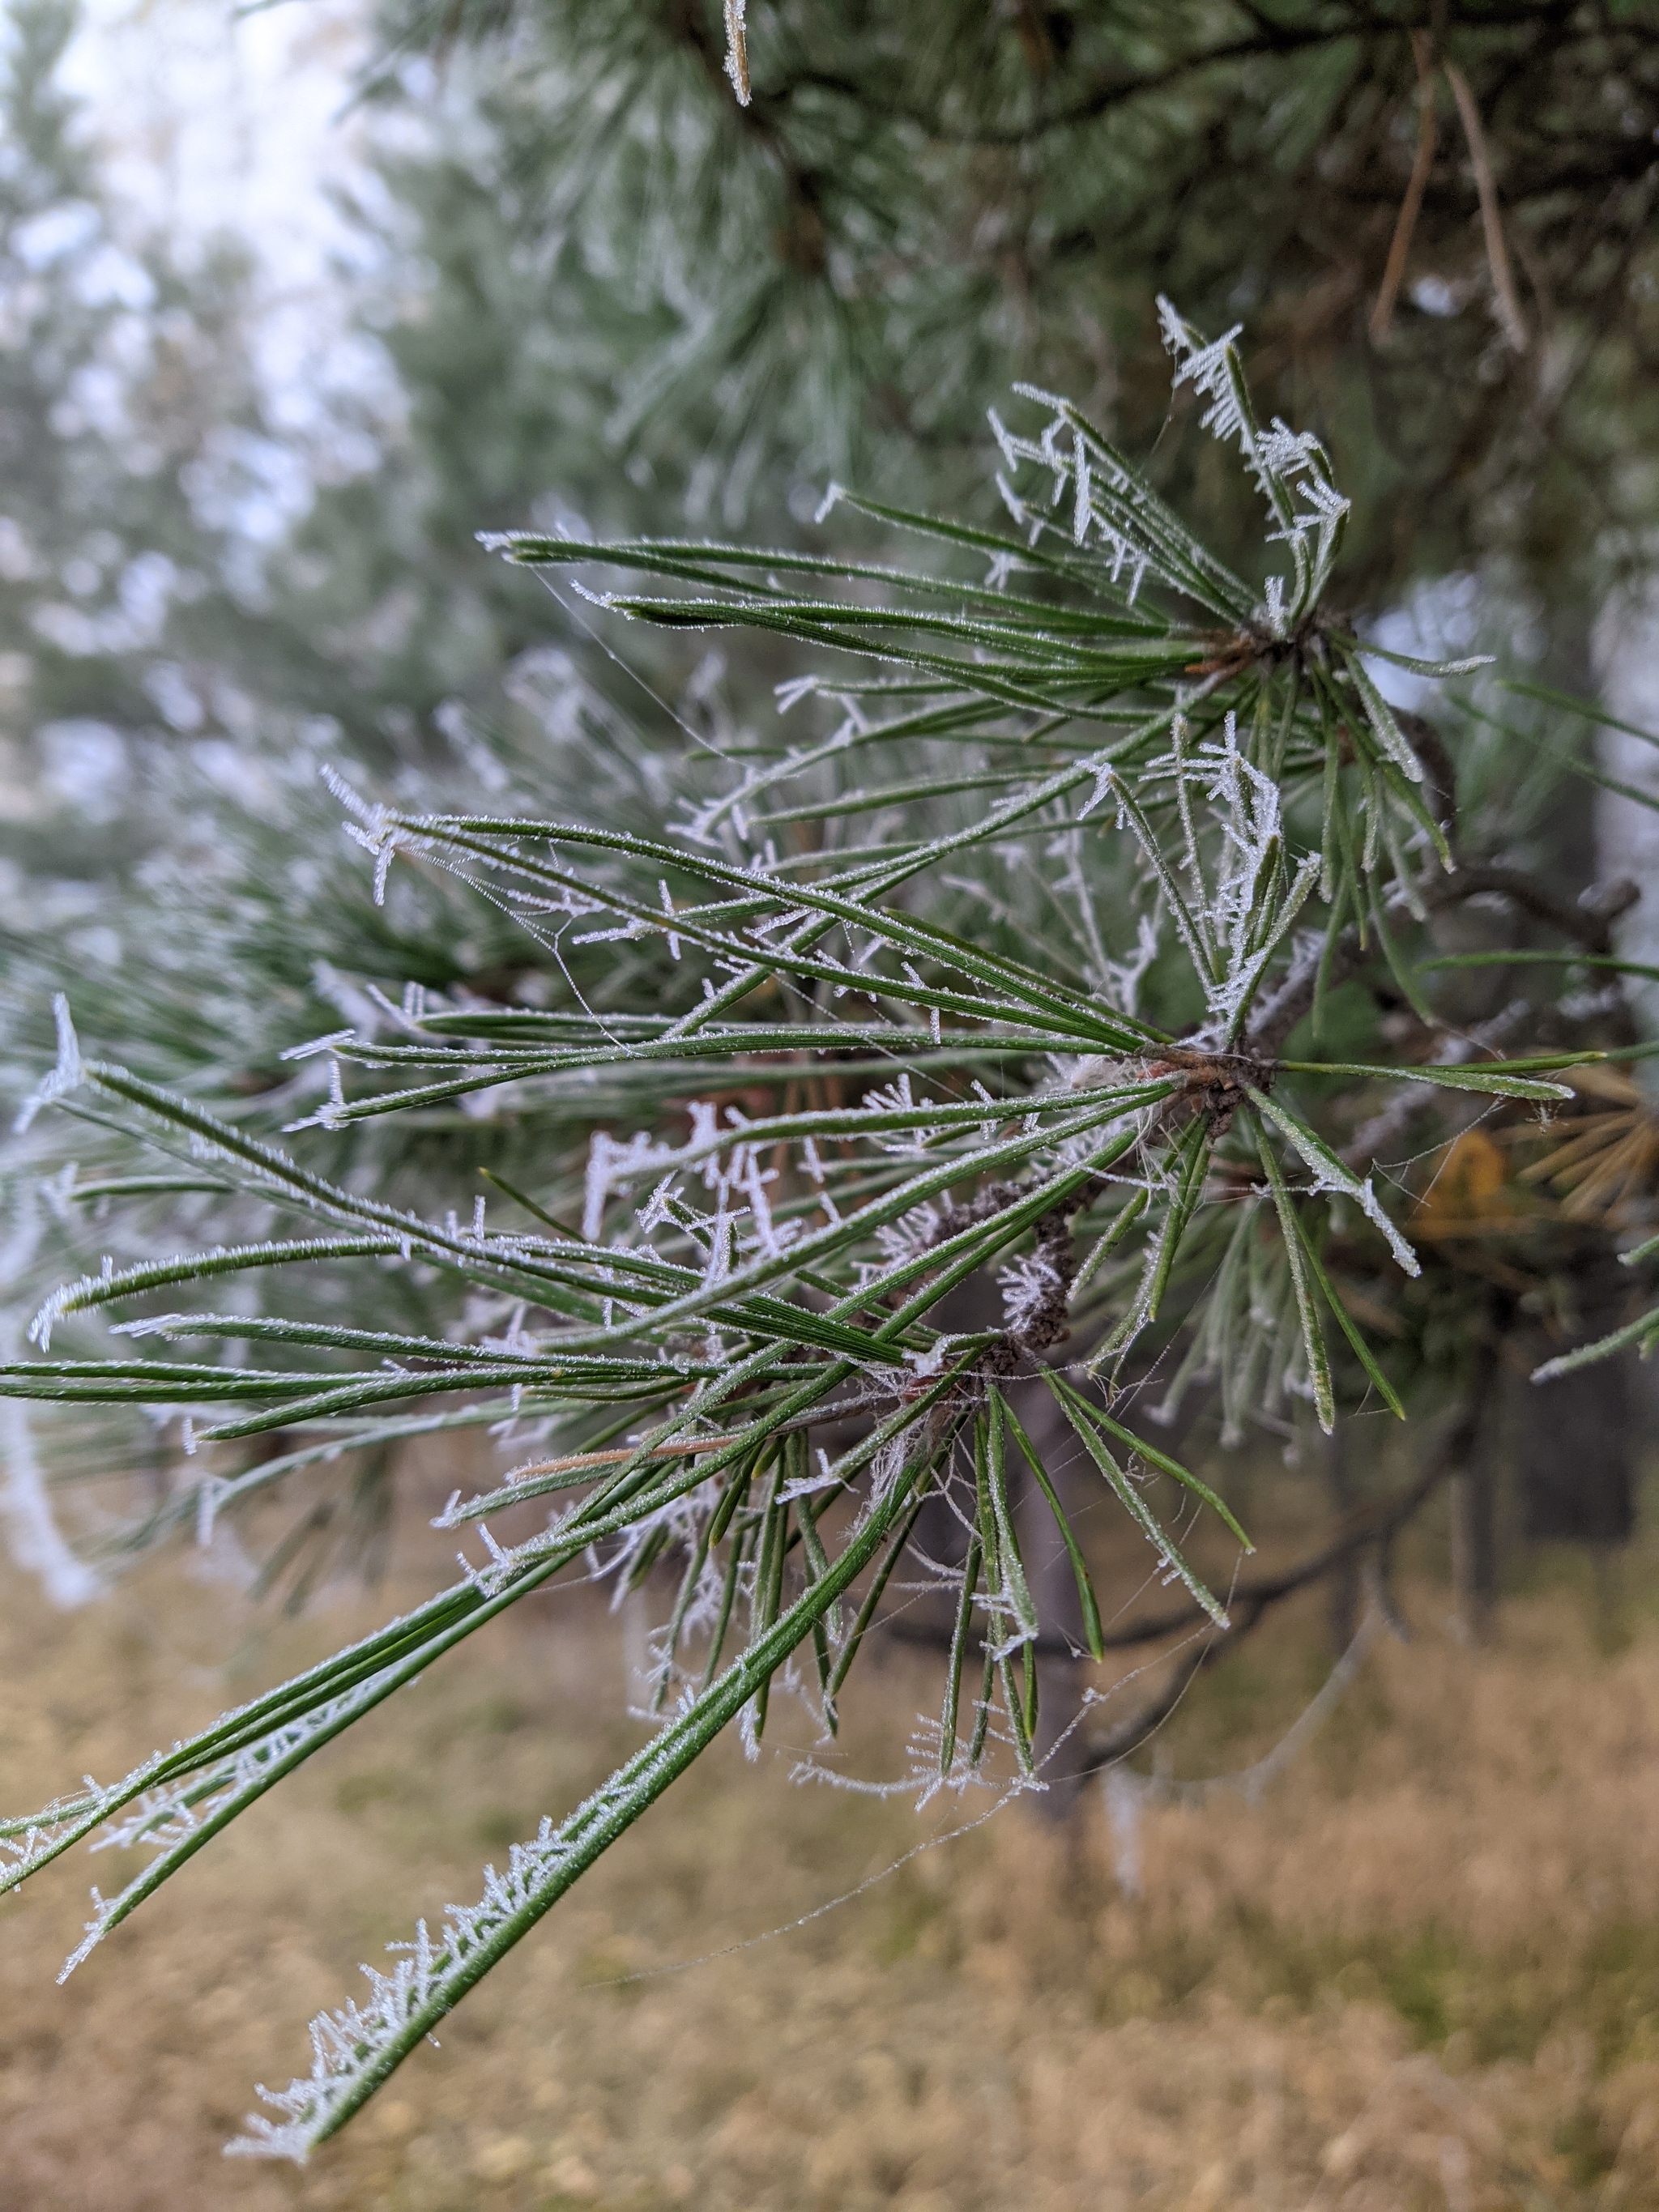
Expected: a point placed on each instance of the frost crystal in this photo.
(66, 1075)
(353, 2047)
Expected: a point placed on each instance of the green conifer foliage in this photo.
(1028, 1027)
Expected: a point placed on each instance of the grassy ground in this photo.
(1422, 1972)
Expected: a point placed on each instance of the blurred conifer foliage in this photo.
(1436, 220)
(191, 628)
(121, 400)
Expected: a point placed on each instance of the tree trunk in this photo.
(1474, 1503)
(1474, 1548)
(1576, 1433)
(1060, 1681)
(1342, 1588)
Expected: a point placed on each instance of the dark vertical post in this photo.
(1342, 1589)
(1060, 1679)
(1474, 1501)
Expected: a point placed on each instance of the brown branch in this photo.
(1292, 998)
(1588, 922)
(1109, 91)
(1117, 88)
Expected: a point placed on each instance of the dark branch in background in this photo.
(1371, 1529)
(1588, 922)
(1371, 1526)
(1108, 94)
(1272, 42)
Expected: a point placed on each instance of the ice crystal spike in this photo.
(66, 1075)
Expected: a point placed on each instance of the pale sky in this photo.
(209, 120)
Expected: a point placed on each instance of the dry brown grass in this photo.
(1423, 1972)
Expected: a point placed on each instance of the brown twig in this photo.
(1492, 220)
(1405, 222)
